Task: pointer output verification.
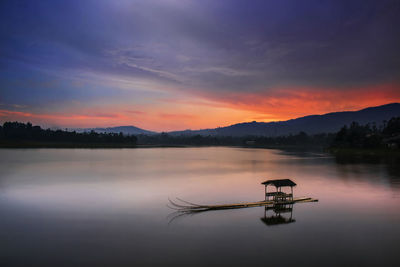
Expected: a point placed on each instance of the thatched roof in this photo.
(279, 182)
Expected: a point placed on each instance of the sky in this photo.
(177, 64)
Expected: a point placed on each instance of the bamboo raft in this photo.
(279, 198)
(185, 206)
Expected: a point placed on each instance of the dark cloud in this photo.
(211, 46)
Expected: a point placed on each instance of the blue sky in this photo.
(169, 65)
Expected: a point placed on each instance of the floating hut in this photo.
(276, 199)
(279, 195)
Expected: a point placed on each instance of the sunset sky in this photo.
(176, 64)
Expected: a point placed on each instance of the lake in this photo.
(108, 207)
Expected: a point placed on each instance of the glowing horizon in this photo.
(176, 65)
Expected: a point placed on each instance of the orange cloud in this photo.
(136, 112)
(97, 116)
(176, 116)
(290, 103)
(213, 110)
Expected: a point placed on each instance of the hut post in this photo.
(265, 195)
(292, 191)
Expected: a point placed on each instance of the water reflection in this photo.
(383, 166)
(107, 207)
(278, 214)
(273, 215)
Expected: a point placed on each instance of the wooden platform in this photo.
(188, 206)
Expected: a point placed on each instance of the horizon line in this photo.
(276, 121)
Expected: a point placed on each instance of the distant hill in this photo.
(313, 124)
(327, 123)
(127, 130)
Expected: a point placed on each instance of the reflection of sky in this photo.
(168, 65)
(108, 207)
(112, 178)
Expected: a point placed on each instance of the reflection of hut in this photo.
(277, 217)
(279, 195)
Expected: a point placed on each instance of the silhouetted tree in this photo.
(17, 131)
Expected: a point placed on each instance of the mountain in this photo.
(313, 124)
(124, 129)
(327, 123)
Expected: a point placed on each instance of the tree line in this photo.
(17, 131)
(296, 140)
(367, 136)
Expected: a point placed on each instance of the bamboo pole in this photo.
(196, 207)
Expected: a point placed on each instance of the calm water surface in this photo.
(107, 207)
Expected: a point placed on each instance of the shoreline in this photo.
(338, 152)
(28, 144)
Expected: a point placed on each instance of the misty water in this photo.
(108, 207)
